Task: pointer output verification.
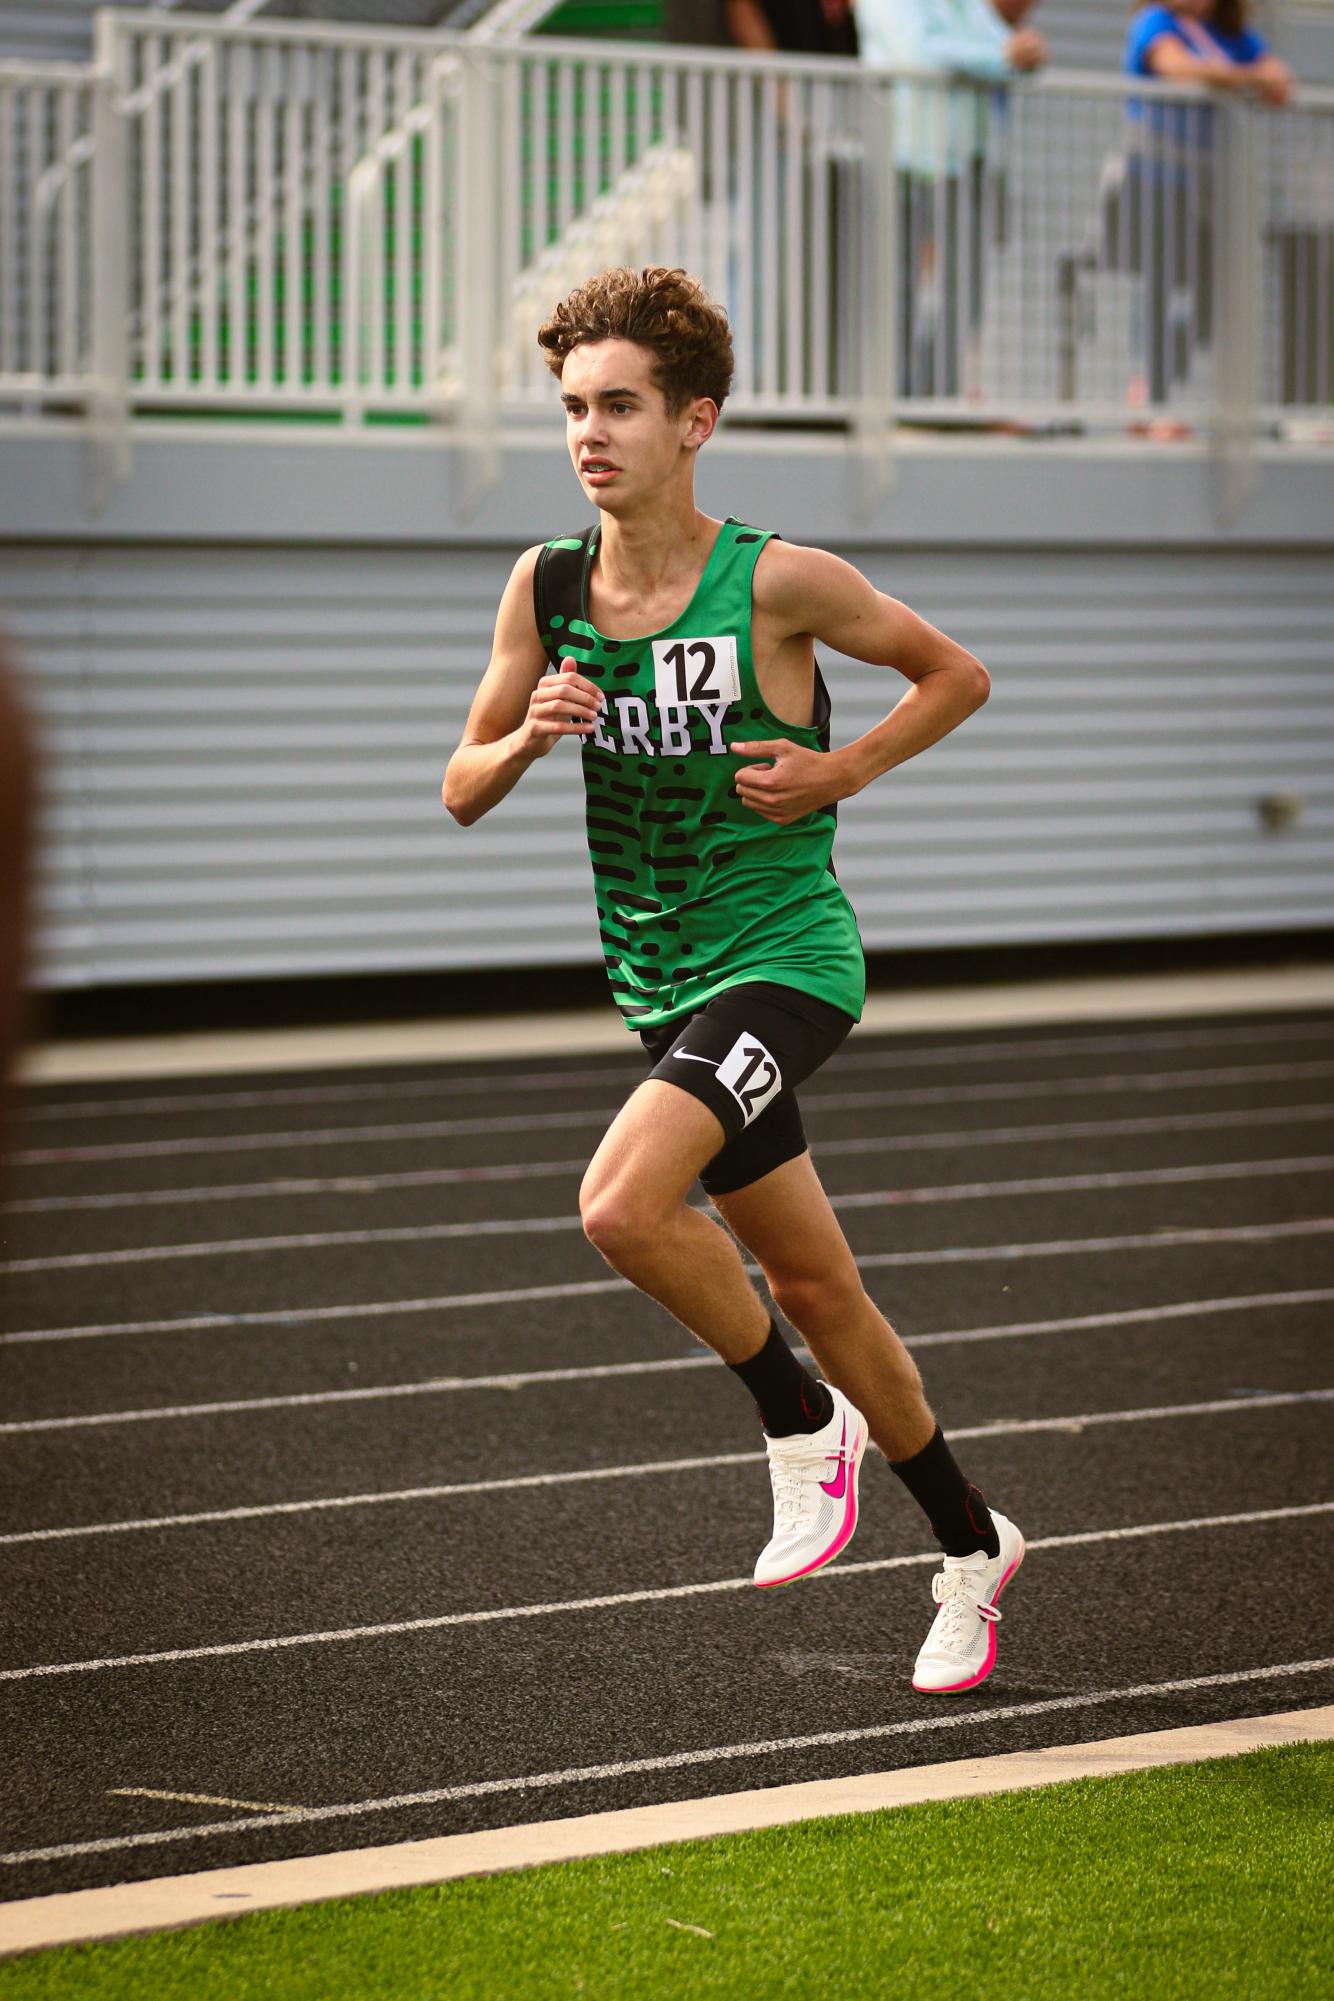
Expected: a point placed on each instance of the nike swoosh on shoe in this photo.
(837, 1488)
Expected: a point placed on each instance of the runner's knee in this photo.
(809, 1298)
(617, 1214)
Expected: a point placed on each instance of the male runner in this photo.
(683, 650)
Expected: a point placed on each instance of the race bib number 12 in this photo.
(751, 1074)
(695, 670)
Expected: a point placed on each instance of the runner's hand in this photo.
(562, 704)
(796, 783)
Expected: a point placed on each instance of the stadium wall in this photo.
(254, 664)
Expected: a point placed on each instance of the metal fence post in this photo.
(437, 226)
(107, 449)
(1236, 221)
(478, 277)
(362, 298)
(876, 300)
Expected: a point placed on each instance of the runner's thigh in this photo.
(743, 1054)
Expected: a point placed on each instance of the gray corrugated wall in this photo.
(245, 749)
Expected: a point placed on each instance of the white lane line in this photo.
(592, 1372)
(911, 1726)
(400, 1494)
(1162, 1239)
(1002, 1427)
(168, 1902)
(1130, 1316)
(615, 1600)
(1185, 1122)
(493, 1083)
(349, 1184)
(199, 1799)
(529, 1122)
(523, 1226)
(530, 1226)
(440, 1082)
(451, 1386)
(445, 1177)
(1066, 1184)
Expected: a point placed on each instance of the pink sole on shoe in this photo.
(961, 1687)
(845, 1528)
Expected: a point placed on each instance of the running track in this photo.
(350, 1498)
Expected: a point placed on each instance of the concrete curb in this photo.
(579, 1031)
(174, 1901)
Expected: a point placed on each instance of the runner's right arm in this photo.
(519, 709)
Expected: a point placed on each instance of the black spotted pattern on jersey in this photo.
(695, 891)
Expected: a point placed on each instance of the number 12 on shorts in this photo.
(751, 1075)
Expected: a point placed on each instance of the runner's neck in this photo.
(651, 558)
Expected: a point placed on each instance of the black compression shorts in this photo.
(743, 1054)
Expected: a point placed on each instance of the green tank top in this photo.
(695, 892)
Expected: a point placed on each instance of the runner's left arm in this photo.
(812, 592)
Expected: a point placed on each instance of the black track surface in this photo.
(1091, 1630)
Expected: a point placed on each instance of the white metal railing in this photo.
(242, 142)
(399, 330)
(1194, 210)
(46, 118)
(772, 220)
(317, 218)
(628, 224)
(1294, 194)
(1063, 251)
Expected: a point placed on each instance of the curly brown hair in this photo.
(666, 311)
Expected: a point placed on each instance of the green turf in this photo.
(1193, 1881)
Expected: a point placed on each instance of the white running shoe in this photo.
(960, 1649)
(814, 1479)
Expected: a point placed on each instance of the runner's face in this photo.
(623, 445)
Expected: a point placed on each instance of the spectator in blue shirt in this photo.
(1205, 41)
(1167, 206)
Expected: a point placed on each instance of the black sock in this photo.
(956, 1510)
(789, 1397)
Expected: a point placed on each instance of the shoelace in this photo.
(791, 1477)
(955, 1591)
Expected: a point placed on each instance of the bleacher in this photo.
(284, 216)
